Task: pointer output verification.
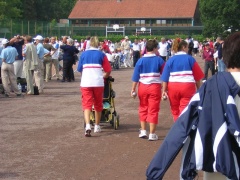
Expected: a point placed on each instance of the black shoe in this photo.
(63, 80)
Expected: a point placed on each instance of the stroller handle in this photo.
(110, 78)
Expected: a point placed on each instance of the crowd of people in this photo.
(164, 69)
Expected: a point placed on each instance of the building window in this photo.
(161, 21)
(140, 22)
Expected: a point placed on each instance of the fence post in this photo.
(11, 27)
(35, 28)
(22, 27)
(28, 27)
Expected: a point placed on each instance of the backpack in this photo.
(190, 44)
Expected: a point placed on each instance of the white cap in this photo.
(126, 37)
(5, 41)
(38, 37)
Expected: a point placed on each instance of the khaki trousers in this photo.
(38, 76)
(47, 65)
(18, 68)
(8, 75)
(56, 66)
(29, 79)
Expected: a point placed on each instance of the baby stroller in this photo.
(116, 62)
(109, 114)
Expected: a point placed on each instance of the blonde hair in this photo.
(94, 42)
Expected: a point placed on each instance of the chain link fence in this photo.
(10, 28)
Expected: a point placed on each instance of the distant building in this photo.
(162, 16)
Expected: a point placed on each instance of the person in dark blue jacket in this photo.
(208, 129)
(68, 59)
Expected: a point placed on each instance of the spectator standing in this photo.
(1, 48)
(209, 61)
(181, 71)
(30, 63)
(125, 47)
(18, 42)
(195, 47)
(146, 75)
(221, 65)
(55, 56)
(90, 66)
(69, 50)
(163, 49)
(190, 45)
(38, 73)
(47, 60)
(86, 44)
(8, 56)
(143, 46)
(136, 47)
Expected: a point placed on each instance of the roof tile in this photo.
(101, 9)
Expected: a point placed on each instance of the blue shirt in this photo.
(40, 50)
(148, 69)
(9, 54)
(1, 48)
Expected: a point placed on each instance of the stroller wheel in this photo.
(118, 117)
(116, 122)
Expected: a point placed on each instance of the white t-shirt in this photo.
(195, 44)
(163, 49)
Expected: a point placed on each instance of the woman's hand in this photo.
(164, 95)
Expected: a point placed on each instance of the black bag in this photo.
(36, 91)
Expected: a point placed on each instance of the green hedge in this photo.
(117, 38)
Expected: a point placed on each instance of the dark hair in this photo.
(46, 40)
(231, 51)
(151, 44)
(182, 44)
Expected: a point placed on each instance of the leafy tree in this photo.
(46, 10)
(10, 9)
(219, 16)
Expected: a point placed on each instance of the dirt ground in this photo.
(42, 137)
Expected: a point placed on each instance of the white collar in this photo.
(180, 53)
(149, 55)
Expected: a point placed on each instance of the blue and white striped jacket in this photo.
(209, 130)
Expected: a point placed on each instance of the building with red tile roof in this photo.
(168, 16)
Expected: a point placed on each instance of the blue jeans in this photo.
(221, 65)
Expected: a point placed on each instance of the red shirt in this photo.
(208, 54)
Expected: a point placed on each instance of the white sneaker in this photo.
(142, 133)
(153, 137)
(88, 130)
(97, 129)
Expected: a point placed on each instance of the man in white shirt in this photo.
(136, 47)
(163, 49)
(125, 46)
(55, 55)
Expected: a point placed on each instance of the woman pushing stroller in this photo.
(91, 63)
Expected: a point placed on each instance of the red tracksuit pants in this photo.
(150, 97)
(179, 96)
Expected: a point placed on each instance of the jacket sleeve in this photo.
(174, 141)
